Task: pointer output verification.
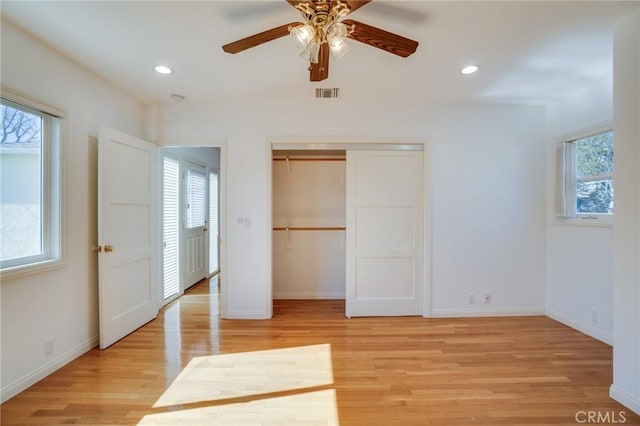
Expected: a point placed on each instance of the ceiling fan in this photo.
(324, 31)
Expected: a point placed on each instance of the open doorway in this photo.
(190, 218)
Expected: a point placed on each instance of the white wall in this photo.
(62, 303)
(626, 267)
(579, 257)
(488, 203)
(487, 186)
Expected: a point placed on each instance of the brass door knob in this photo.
(97, 249)
(108, 248)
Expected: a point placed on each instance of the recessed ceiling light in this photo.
(163, 69)
(469, 69)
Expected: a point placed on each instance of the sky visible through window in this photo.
(21, 189)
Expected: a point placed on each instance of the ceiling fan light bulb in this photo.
(338, 29)
(335, 41)
(302, 35)
(311, 52)
(338, 51)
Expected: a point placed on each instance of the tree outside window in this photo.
(594, 174)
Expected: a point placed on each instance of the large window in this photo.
(29, 186)
(586, 177)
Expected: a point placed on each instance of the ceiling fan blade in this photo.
(356, 4)
(258, 39)
(389, 42)
(320, 71)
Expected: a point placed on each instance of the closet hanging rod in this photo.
(291, 228)
(309, 159)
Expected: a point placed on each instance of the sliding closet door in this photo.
(385, 247)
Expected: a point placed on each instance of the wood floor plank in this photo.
(310, 365)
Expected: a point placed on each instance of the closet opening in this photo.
(309, 224)
(348, 224)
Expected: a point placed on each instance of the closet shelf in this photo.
(295, 228)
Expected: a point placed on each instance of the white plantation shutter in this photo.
(213, 222)
(196, 197)
(565, 203)
(171, 226)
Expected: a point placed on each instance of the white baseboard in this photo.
(494, 312)
(40, 373)
(582, 327)
(247, 315)
(300, 295)
(625, 398)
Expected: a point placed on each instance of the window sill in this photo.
(578, 221)
(31, 269)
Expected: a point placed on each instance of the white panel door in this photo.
(127, 220)
(385, 248)
(194, 236)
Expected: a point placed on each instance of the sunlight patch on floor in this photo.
(276, 386)
(307, 408)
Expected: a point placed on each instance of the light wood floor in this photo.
(312, 366)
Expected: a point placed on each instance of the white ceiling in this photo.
(529, 52)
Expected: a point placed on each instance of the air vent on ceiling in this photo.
(327, 93)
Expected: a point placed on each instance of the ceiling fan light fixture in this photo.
(338, 50)
(335, 41)
(323, 33)
(336, 36)
(311, 52)
(302, 35)
(339, 30)
(322, 26)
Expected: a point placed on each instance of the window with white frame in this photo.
(196, 191)
(29, 185)
(585, 177)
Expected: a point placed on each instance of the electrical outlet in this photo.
(487, 298)
(472, 298)
(595, 317)
(48, 346)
